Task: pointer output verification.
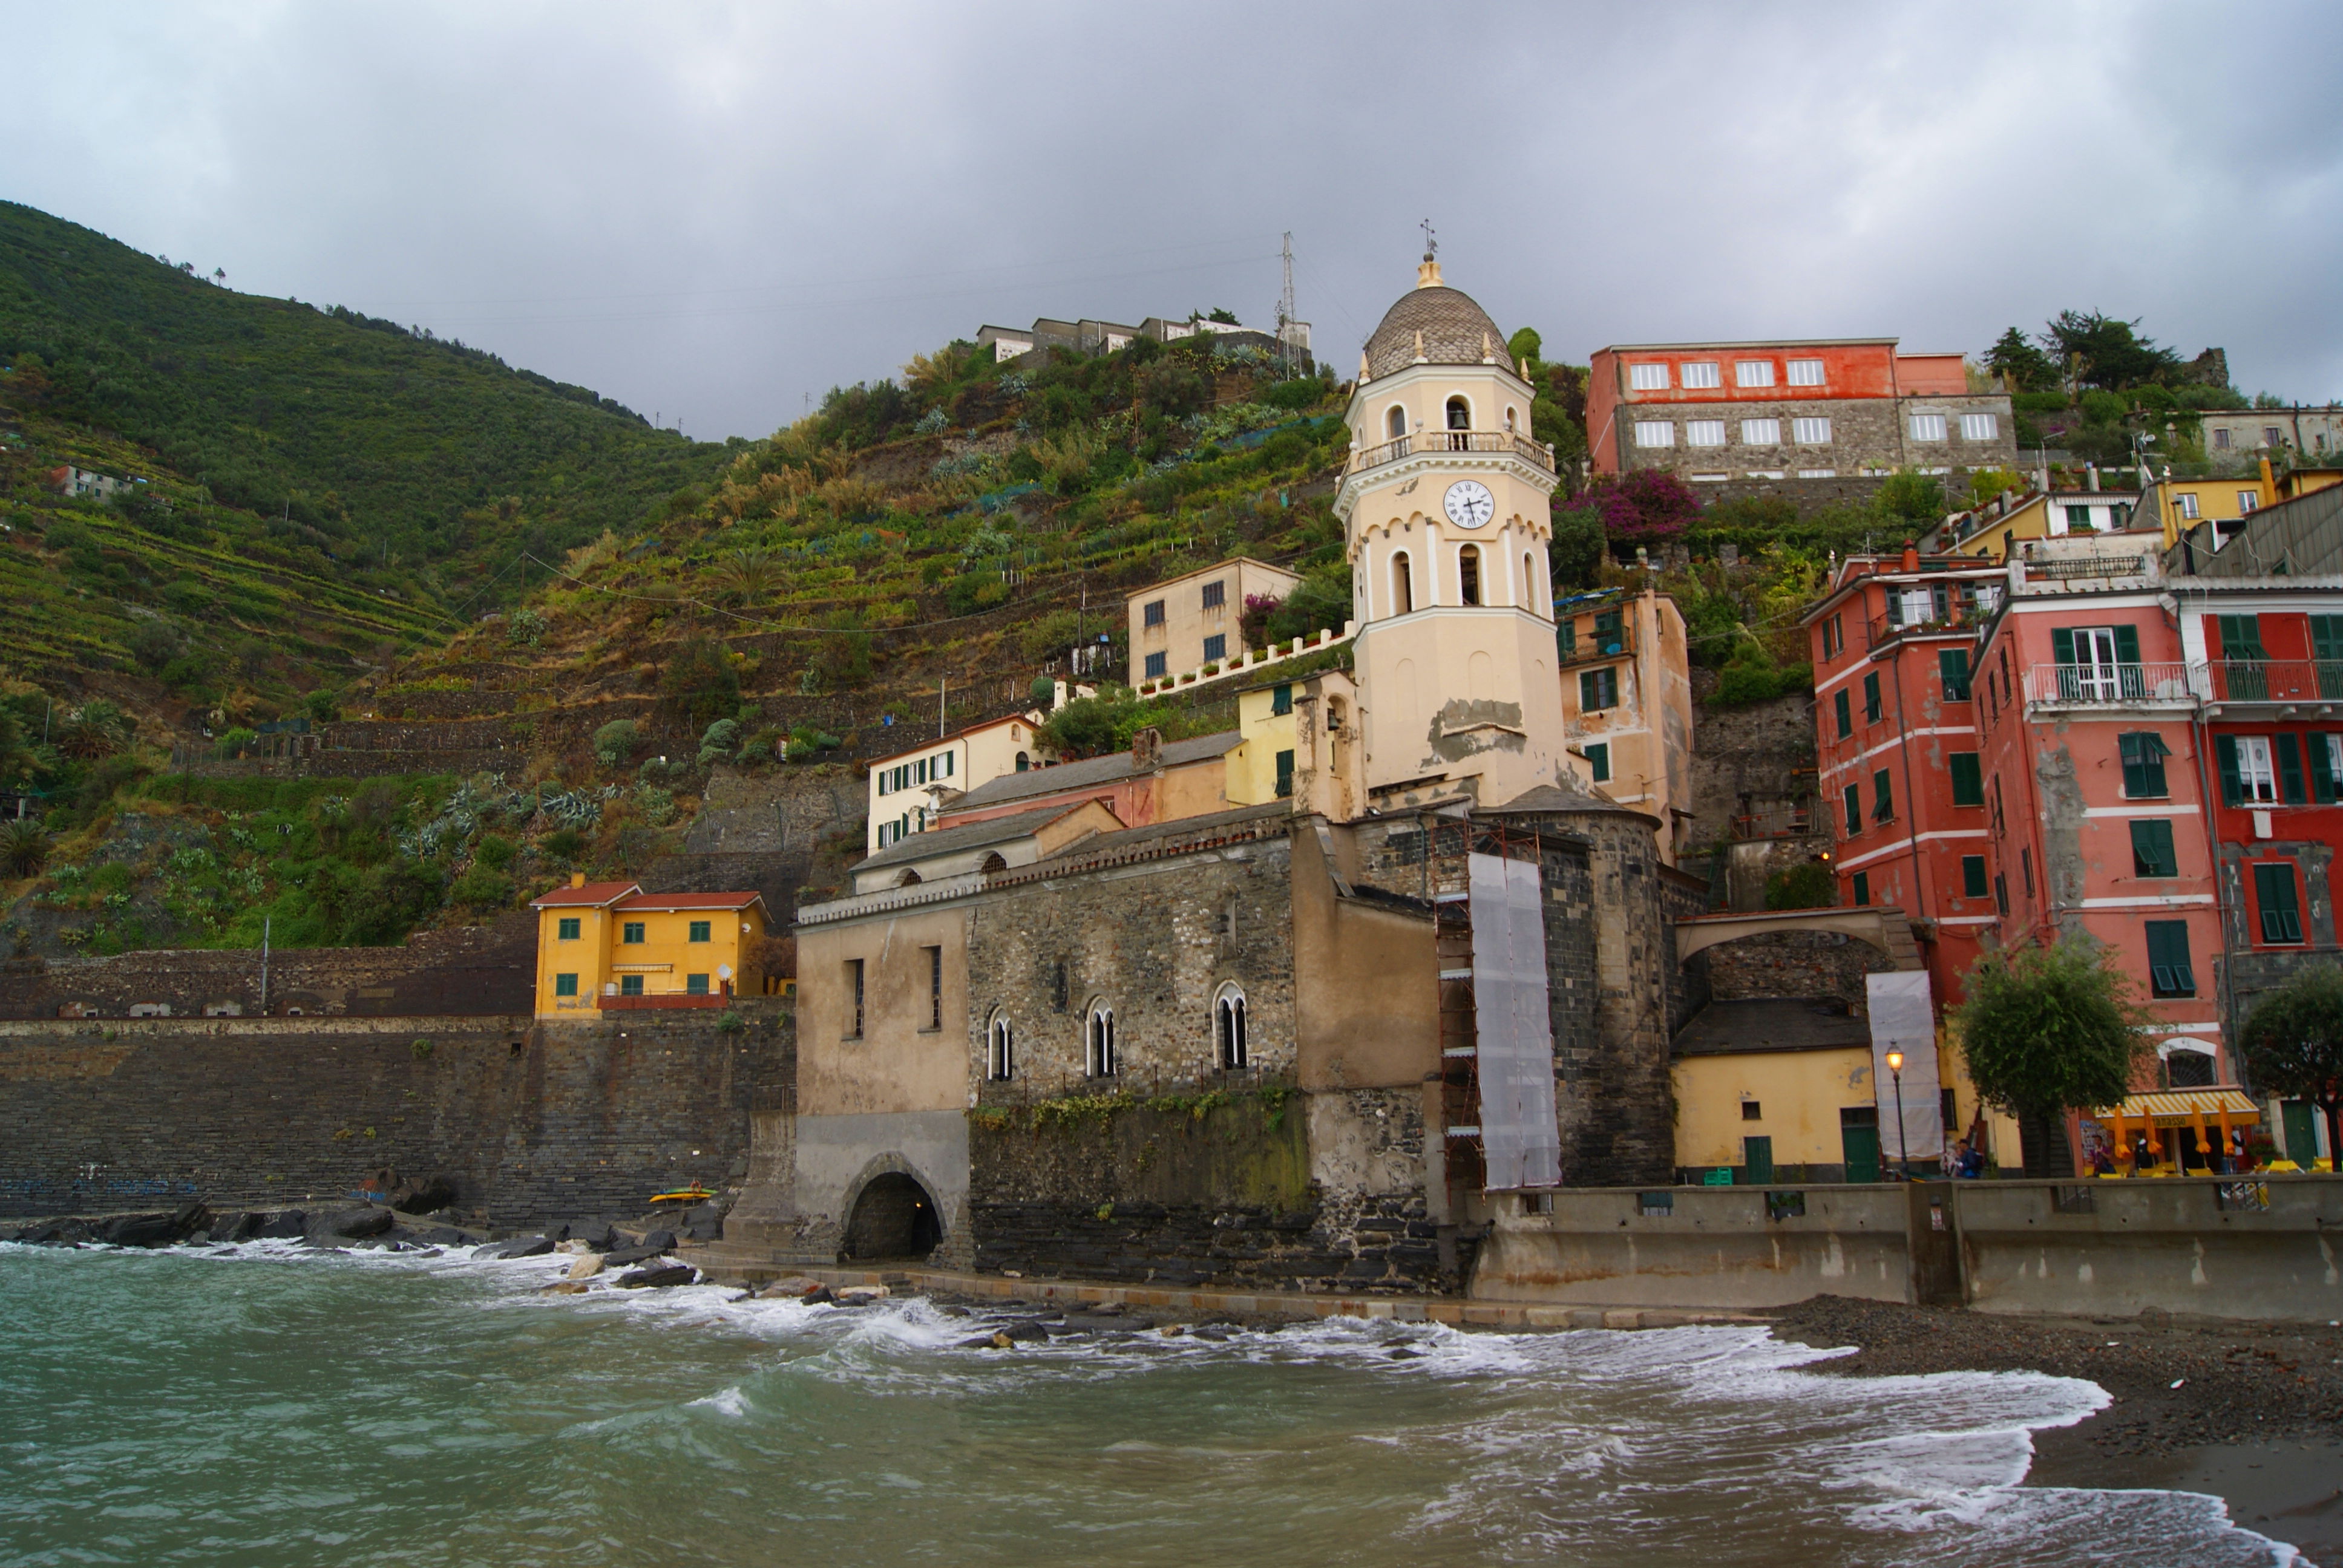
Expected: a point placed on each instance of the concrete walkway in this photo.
(723, 1264)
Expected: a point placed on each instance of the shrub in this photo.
(616, 741)
(1752, 676)
(720, 742)
(1913, 502)
(482, 888)
(805, 741)
(1643, 506)
(23, 847)
(236, 742)
(699, 682)
(525, 629)
(1049, 635)
(1319, 602)
(564, 843)
(494, 850)
(1807, 887)
(657, 805)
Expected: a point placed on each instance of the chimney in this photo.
(577, 878)
(1911, 557)
(2090, 476)
(1147, 749)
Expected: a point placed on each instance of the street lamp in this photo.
(1903, 1151)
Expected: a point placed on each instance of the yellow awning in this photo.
(2186, 1104)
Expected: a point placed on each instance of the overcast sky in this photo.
(712, 211)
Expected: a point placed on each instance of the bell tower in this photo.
(1445, 502)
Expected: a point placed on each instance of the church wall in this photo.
(1366, 975)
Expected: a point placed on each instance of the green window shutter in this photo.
(2126, 645)
(1883, 797)
(2290, 770)
(1863, 888)
(1968, 779)
(2274, 891)
(2152, 854)
(2061, 644)
(1953, 670)
(1972, 877)
(2322, 768)
(2326, 637)
(2241, 636)
(1844, 709)
(2225, 757)
(1871, 697)
(2170, 970)
(1852, 799)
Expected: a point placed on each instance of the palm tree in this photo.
(749, 575)
(23, 847)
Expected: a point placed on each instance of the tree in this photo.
(1575, 551)
(2018, 362)
(1913, 502)
(2294, 1043)
(700, 684)
(1524, 344)
(2112, 353)
(1647, 507)
(2047, 1030)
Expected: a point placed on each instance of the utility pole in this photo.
(1287, 357)
(943, 684)
(263, 965)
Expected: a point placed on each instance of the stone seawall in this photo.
(531, 1122)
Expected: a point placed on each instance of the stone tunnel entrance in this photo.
(894, 1221)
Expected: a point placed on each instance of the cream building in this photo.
(909, 788)
(1626, 703)
(1187, 622)
(1445, 499)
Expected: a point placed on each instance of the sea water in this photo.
(266, 1405)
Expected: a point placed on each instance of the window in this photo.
(2097, 663)
(1972, 877)
(2168, 969)
(1647, 377)
(2221, 440)
(565, 985)
(1752, 1110)
(1158, 666)
(2274, 891)
(1761, 432)
(1152, 615)
(920, 771)
(2272, 436)
(2001, 895)
(1968, 781)
(2078, 519)
(1844, 711)
(1871, 697)
(2187, 506)
(2152, 854)
(1883, 797)
(1285, 775)
(935, 988)
(1402, 586)
(695, 985)
(854, 998)
(2026, 869)
(1818, 473)
(2326, 768)
(1851, 798)
(630, 985)
(943, 769)
(1861, 888)
(1598, 689)
(1997, 808)
(1928, 426)
(2247, 775)
(999, 1050)
(1395, 422)
(2142, 754)
(1953, 672)
(1980, 426)
(631, 932)
(1216, 647)
(1703, 432)
(1598, 761)
(1655, 433)
(1216, 596)
(699, 932)
(567, 929)
(1806, 372)
(1101, 1040)
(1468, 574)
(1828, 648)
(1460, 413)
(2247, 500)
(1281, 697)
(1752, 372)
(1811, 430)
(1229, 1030)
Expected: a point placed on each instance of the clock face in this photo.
(1469, 504)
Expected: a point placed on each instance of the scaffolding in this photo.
(1448, 851)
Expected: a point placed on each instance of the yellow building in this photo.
(1997, 529)
(2177, 506)
(1262, 768)
(612, 946)
(1626, 703)
(1185, 623)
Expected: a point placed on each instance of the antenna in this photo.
(1430, 243)
(1286, 352)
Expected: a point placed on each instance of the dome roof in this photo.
(1457, 331)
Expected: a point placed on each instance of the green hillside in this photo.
(326, 443)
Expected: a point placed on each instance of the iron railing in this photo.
(1957, 618)
(1502, 442)
(2115, 683)
(1595, 646)
(2276, 680)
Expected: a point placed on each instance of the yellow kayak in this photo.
(693, 1193)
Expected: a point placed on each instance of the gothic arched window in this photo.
(1000, 1049)
(1395, 423)
(1100, 1029)
(1468, 574)
(1402, 586)
(1228, 1035)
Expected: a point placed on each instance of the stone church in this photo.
(1304, 1043)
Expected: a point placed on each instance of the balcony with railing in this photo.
(1577, 644)
(1956, 619)
(2275, 680)
(1504, 443)
(2088, 685)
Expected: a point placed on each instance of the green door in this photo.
(1757, 1161)
(1859, 1146)
(2301, 1132)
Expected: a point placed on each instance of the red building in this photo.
(1820, 409)
(1897, 746)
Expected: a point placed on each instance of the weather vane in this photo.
(1431, 246)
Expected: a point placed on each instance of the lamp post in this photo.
(1903, 1150)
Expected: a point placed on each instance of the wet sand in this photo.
(2255, 1419)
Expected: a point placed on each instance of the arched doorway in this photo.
(894, 1221)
